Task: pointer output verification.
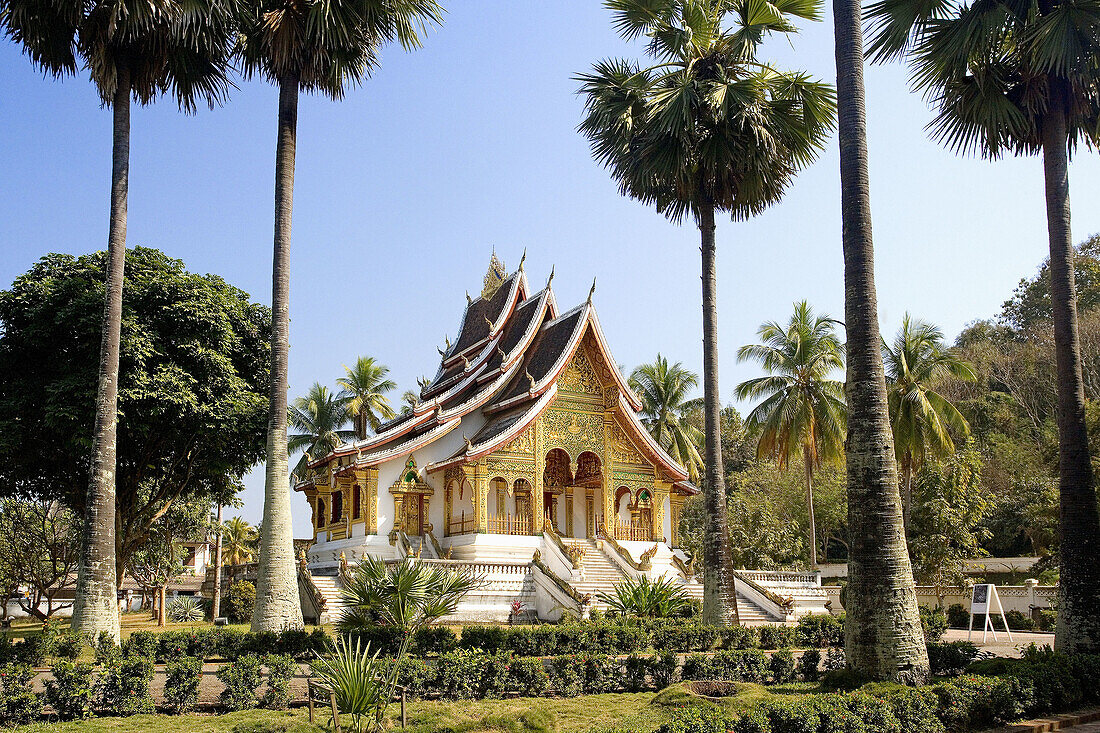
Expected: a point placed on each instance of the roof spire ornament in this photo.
(591, 292)
(469, 445)
(522, 258)
(530, 379)
(494, 278)
(551, 278)
(468, 298)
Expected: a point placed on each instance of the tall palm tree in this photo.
(365, 387)
(320, 418)
(664, 388)
(706, 129)
(238, 541)
(883, 638)
(315, 46)
(131, 53)
(803, 410)
(1024, 77)
(922, 419)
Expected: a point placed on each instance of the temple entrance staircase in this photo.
(748, 612)
(328, 586)
(600, 573)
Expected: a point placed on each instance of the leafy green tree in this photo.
(157, 562)
(706, 128)
(192, 381)
(1030, 304)
(238, 542)
(802, 410)
(664, 390)
(39, 549)
(312, 46)
(1024, 78)
(320, 418)
(137, 54)
(364, 386)
(922, 419)
(948, 518)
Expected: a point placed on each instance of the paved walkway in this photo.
(1002, 647)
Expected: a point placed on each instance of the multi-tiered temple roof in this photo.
(500, 374)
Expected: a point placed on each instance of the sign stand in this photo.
(981, 602)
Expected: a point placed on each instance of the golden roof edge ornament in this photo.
(551, 278)
(469, 445)
(591, 292)
(522, 258)
(494, 278)
(530, 379)
(468, 298)
(491, 326)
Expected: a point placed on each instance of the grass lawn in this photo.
(640, 711)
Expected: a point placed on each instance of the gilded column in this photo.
(540, 468)
(608, 477)
(481, 499)
(660, 493)
(369, 482)
(568, 511)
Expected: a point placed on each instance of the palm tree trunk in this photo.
(806, 456)
(277, 604)
(719, 594)
(883, 636)
(95, 609)
(1078, 626)
(906, 490)
(216, 603)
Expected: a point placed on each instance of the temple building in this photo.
(523, 456)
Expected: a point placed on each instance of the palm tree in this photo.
(1024, 77)
(238, 542)
(320, 418)
(803, 410)
(130, 53)
(316, 46)
(408, 401)
(883, 638)
(365, 387)
(922, 419)
(706, 129)
(663, 388)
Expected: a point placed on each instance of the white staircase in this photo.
(329, 586)
(600, 573)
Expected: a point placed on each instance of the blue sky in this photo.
(404, 188)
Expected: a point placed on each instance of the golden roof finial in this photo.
(591, 291)
(441, 351)
(494, 278)
(551, 278)
(468, 298)
(469, 445)
(530, 379)
(490, 323)
(522, 258)
(465, 362)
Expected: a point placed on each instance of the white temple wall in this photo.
(666, 521)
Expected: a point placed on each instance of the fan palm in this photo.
(131, 52)
(238, 542)
(803, 410)
(1023, 77)
(706, 129)
(922, 418)
(645, 598)
(663, 388)
(319, 418)
(315, 46)
(365, 387)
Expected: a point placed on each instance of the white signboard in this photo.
(982, 600)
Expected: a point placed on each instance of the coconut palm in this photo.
(325, 47)
(131, 53)
(365, 387)
(664, 388)
(706, 129)
(319, 418)
(922, 419)
(238, 542)
(803, 409)
(1024, 78)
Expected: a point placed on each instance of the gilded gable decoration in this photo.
(580, 377)
(409, 482)
(622, 448)
(575, 432)
(494, 278)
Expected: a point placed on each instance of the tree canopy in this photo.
(192, 385)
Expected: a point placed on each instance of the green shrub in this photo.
(529, 676)
(141, 644)
(18, 703)
(1018, 621)
(974, 703)
(809, 665)
(635, 669)
(241, 678)
(915, 709)
(181, 685)
(70, 691)
(663, 668)
(734, 637)
(957, 616)
(820, 630)
(782, 666)
(1047, 619)
(602, 673)
(844, 679)
(186, 609)
(488, 639)
(776, 637)
(239, 602)
(494, 675)
(686, 638)
(934, 623)
(69, 645)
(697, 719)
(458, 674)
(123, 686)
(281, 669)
(834, 659)
(567, 675)
(950, 658)
(434, 640)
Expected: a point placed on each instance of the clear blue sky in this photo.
(404, 188)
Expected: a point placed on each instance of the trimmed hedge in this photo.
(229, 644)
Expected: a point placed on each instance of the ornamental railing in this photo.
(633, 531)
(462, 525)
(509, 525)
(781, 577)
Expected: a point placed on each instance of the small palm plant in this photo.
(645, 598)
(409, 596)
(354, 676)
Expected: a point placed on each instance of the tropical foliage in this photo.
(664, 390)
(364, 387)
(358, 680)
(705, 128)
(238, 542)
(922, 419)
(803, 410)
(645, 598)
(319, 417)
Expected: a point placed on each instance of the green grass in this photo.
(246, 721)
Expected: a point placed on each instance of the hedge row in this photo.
(1041, 682)
(229, 644)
